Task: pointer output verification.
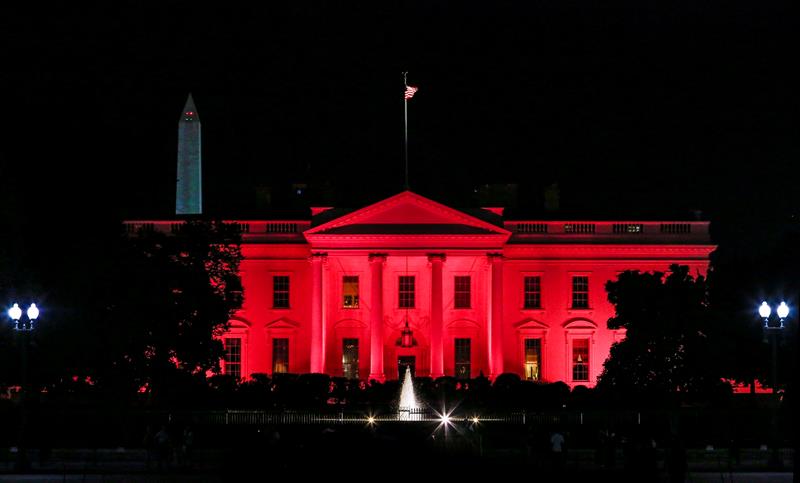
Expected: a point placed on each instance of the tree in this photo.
(670, 334)
(164, 305)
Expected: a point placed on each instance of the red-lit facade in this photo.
(480, 294)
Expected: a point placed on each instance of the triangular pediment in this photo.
(530, 324)
(407, 213)
(464, 324)
(282, 323)
(350, 324)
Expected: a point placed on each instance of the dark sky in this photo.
(643, 107)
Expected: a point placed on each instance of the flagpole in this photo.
(405, 128)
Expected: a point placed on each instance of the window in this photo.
(462, 291)
(350, 358)
(580, 360)
(350, 291)
(533, 359)
(580, 292)
(280, 291)
(463, 366)
(533, 292)
(280, 356)
(233, 357)
(406, 292)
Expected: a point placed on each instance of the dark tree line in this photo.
(682, 343)
(135, 313)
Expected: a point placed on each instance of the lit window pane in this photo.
(350, 292)
(533, 359)
(463, 358)
(580, 360)
(280, 356)
(350, 358)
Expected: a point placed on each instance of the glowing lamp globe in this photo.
(33, 312)
(764, 310)
(15, 312)
(783, 310)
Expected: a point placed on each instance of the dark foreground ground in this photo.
(390, 452)
(694, 477)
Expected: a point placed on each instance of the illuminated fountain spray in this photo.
(408, 402)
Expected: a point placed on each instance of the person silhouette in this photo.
(557, 449)
(149, 444)
(162, 443)
(187, 445)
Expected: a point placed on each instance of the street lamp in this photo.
(24, 328)
(15, 314)
(764, 310)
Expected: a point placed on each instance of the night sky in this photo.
(645, 109)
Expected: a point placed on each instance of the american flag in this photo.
(410, 91)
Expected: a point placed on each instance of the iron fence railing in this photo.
(256, 417)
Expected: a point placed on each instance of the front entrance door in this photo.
(403, 362)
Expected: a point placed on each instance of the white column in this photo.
(437, 343)
(495, 329)
(317, 342)
(376, 262)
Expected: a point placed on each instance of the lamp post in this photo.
(764, 310)
(24, 328)
(773, 330)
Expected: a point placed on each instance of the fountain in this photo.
(408, 409)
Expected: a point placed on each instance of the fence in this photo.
(700, 427)
(423, 415)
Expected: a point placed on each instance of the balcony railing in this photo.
(633, 231)
(250, 230)
(535, 231)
